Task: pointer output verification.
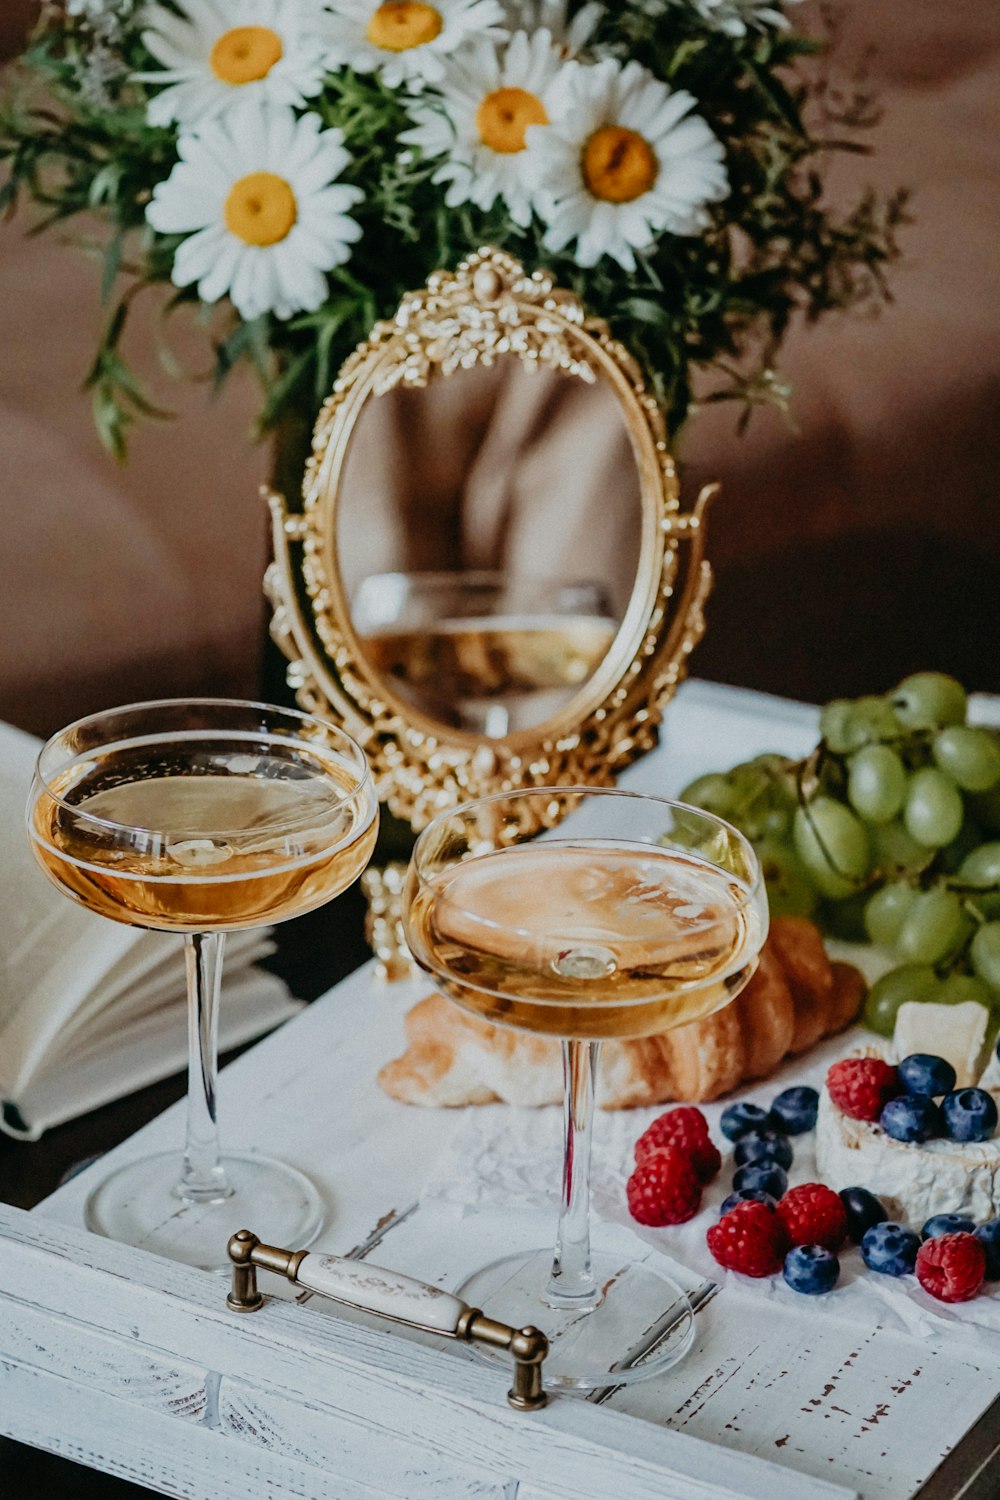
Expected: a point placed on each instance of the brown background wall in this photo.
(858, 544)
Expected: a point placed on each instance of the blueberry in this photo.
(794, 1110)
(766, 1175)
(763, 1145)
(969, 1114)
(923, 1073)
(738, 1118)
(989, 1234)
(811, 1269)
(939, 1224)
(863, 1210)
(911, 1117)
(747, 1195)
(890, 1248)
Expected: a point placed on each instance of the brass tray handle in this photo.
(390, 1295)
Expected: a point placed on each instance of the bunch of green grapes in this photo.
(889, 831)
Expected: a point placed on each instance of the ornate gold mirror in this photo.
(485, 578)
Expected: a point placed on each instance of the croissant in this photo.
(795, 997)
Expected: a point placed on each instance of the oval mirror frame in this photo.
(488, 307)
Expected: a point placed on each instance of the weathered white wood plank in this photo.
(443, 1406)
(191, 1463)
(362, 1451)
(100, 1361)
(876, 1408)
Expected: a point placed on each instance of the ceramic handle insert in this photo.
(391, 1295)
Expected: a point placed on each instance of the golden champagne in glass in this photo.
(585, 915)
(201, 817)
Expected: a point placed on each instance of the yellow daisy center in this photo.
(619, 164)
(260, 209)
(245, 54)
(399, 25)
(504, 116)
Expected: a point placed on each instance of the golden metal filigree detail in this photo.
(489, 306)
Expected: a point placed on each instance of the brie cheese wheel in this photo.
(913, 1181)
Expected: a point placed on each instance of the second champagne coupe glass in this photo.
(200, 817)
(632, 916)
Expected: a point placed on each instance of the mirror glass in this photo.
(487, 540)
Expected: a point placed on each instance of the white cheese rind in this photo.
(913, 1182)
(954, 1032)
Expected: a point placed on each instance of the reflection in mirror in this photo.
(488, 535)
(483, 652)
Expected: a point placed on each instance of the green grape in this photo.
(833, 845)
(981, 866)
(876, 784)
(909, 982)
(846, 724)
(933, 928)
(760, 788)
(835, 726)
(934, 808)
(876, 719)
(893, 849)
(790, 892)
(886, 911)
(971, 757)
(955, 989)
(771, 761)
(985, 954)
(777, 823)
(985, 806)
(928, 700)
(714, 793)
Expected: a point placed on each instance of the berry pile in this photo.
(766, 1228)
(890, 831)
(903, 1100)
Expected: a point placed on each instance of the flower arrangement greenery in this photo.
(293, 167)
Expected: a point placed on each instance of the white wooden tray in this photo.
(132, 1364)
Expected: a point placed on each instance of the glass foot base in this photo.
(641, 1326)
(139, 1205)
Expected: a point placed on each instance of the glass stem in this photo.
(203, 1177)
(572, 1281)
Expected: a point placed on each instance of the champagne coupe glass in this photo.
(200, 817)
(632, 916)
(484, 651)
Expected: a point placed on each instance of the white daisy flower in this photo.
(570, 35)
(407, 41)
(487, 101)
(624, 161)
(256, 193)
(737, 17)
(214, 53)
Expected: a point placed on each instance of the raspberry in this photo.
(952, 1267)
(814, 1215)
(862, 1086)
(664, 1188)
(750, 1238)
(687, 1129)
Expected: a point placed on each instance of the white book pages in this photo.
(72, 983)
(252, 1003)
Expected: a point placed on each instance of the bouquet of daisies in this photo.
(298, 165)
